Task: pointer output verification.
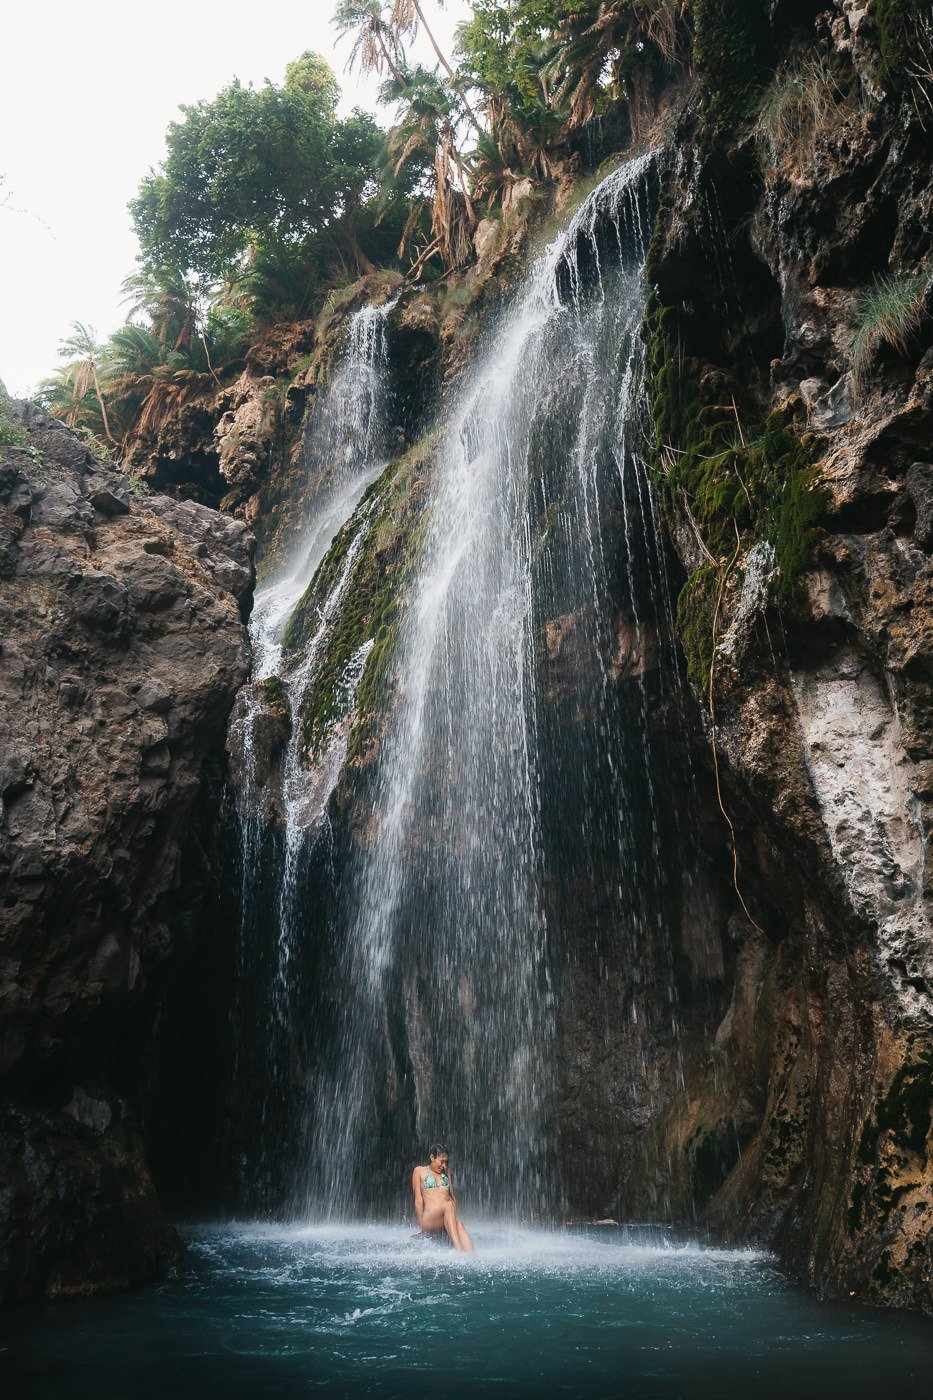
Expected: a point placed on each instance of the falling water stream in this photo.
(516, 771)
(517, 794)
(342, 458)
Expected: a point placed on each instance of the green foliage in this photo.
(752, 483)
(695, 610)
(12, 432)
(129, 384)
(888, 313)
(739, 484)
(272, 166)
(729, 38)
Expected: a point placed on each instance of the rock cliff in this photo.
(123, 647)
(807, 1116)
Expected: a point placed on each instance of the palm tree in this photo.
(72, 386)
(376, 43)
(618, 41)
(424, 134)
(505, 50)
(169, 301)
(405, 17)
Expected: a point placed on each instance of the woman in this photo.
(435, 1204)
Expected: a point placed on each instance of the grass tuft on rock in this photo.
(889, 313)
(802, 101)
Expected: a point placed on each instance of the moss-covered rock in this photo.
(354, 601)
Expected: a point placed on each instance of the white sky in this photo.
(86, 94)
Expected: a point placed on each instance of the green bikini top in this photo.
(431, 1180)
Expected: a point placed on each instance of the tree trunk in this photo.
(450, 72)
(348, 229)
(391, 66)
(103, 410)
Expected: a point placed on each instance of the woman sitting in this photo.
(435, 1203)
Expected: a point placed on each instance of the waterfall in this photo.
(282, 800)
(515, 787)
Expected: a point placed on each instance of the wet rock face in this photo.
(807, 1111)
(80, 1214)
(122, 650)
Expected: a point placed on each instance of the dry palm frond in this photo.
(415, 212)
(167, 394)
(451, 221)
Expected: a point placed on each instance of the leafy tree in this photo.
(505, 49)
(267, 166)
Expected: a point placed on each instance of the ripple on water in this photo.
(276, 1310)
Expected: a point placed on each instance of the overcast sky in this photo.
(86, 95)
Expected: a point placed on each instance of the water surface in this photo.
(348, 1311)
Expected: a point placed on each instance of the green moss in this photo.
(695, 608)
(750, 483)
(305, 618)
(274, 693)
(898, 25)
(728, 43)
(368, 611)
(276, 704)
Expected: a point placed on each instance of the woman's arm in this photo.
(417, 1190)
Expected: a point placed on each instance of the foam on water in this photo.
(361, 1310)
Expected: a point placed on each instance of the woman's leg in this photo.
(466, 1244)
(451, 1225)
(434, 1223)
(457, 1230)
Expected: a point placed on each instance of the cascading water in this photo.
(515, 780)
(282, 801)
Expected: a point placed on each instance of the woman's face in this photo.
(439, 1164)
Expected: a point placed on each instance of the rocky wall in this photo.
(806, 1116)
(123, 647)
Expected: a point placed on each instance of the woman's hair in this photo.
(438, 1150)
